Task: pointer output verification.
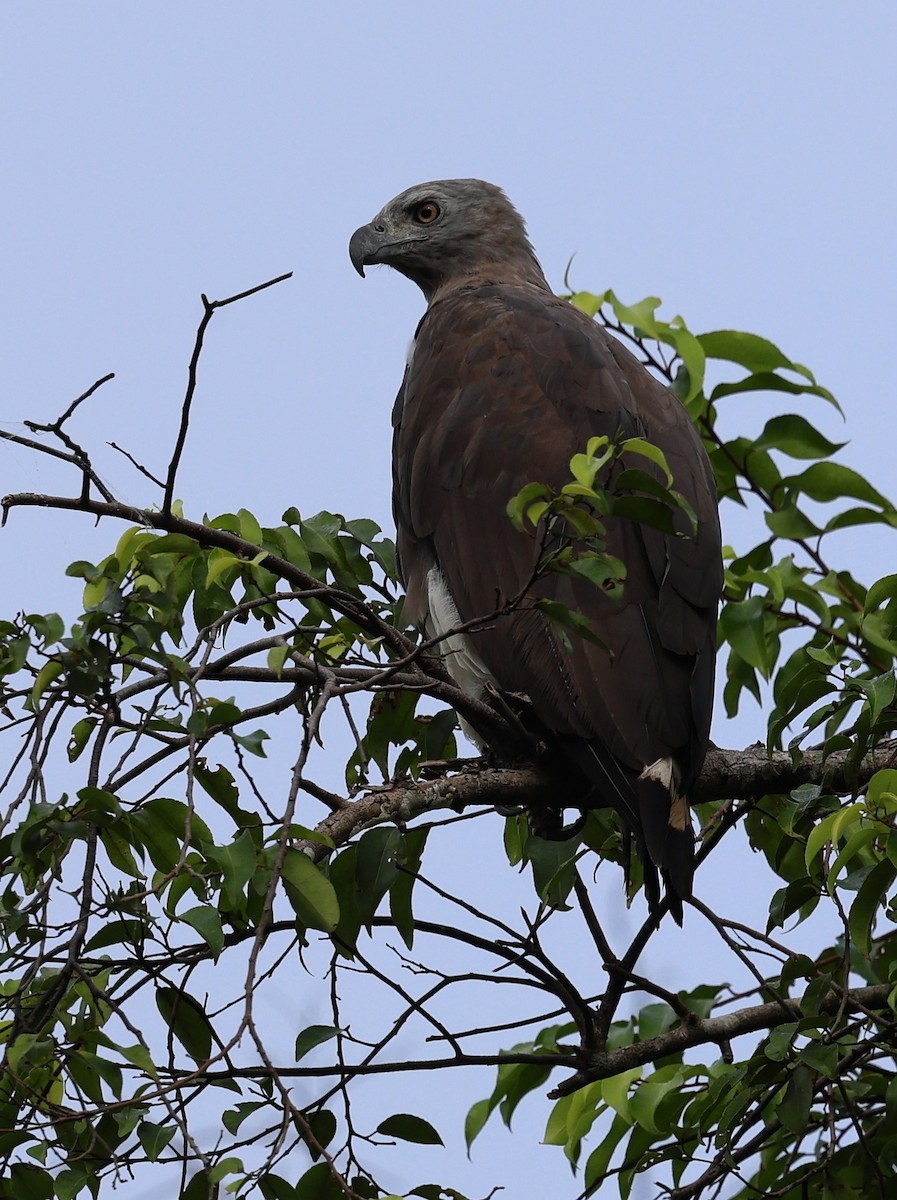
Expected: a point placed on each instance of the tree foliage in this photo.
(162, 869)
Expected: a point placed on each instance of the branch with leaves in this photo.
(159, 876)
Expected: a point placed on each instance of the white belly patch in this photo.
(463, 663)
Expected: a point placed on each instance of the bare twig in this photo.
(209, 309)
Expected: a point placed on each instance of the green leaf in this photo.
(154, 1138)
(342, 876)
(598, 1161)
(80, 736)
(410, 1128)
(646, 511)
(225, 1167)
(748, 350)
(275, 1187)
(768, 381)
(794, 1109)
(519, 507)
(742, 625)
(26, 1182)
(821, 1057)
(277, 656)
(645, 449)
(476, 1118)
(790, 523)
(207, 923)
(219, 784)
(310, 892)
(796, 437)
(46, 675)
(554, 868)
(233, 1118)
(237, 863)
(408, 860)
(871, 898)
(220, 561)
(832, 481)
(884, 589)
(375, 868)
(200, 1187)
(563, 618)
(187, 1020)
(881, 794)
(317, 1183)
(322, 1124)
(313, 1035)
(253, 742)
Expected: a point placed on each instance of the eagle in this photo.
(505, 382)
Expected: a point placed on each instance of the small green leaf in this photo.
(253, 742)
(644, 449)
(233, 1118)
(207, 923)
(49, 671)
(476, 1118)
(237, 863)
(154, 1138)
(277, 656)
(881, 794)
(313, 1035)
(884, 589)
(317, 1183)
(410, 1128)
(226, 1166)
(80, 736)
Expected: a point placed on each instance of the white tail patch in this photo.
(665, 772)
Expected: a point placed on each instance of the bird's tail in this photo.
(655, 815)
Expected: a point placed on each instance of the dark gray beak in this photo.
(363, 247)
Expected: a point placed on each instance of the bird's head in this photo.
(449, 232)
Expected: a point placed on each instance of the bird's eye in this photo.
(426, 213)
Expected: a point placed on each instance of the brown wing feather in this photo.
(504, 386)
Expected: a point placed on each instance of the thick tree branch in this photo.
(719, 1030)
(727, 775)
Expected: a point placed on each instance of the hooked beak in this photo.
(364, 247)
(377, 243)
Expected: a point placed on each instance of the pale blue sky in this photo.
(737, 160)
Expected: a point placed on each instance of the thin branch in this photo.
(209, 308)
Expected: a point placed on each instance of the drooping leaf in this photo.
(310, 892)
(187, 1020)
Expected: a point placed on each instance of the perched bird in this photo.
(505, 382)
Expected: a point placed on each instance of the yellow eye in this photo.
(426, 213)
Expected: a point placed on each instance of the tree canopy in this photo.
(228, 779)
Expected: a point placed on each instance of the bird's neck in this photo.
(523, 274)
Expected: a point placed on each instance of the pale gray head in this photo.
(449, 233)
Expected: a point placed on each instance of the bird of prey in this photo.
(505, 382)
